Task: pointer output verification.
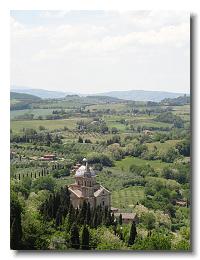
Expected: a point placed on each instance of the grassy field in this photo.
(70, 136)
(127, 117)
(35, 112)
(127, 198)
(143, 121)
(84, 148)
(17, 126)
(162, 147)
(182, 111)
(150, 123)
(102, 107)
(125, 164)
(117, 125)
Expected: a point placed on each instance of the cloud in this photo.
(117, 40)
(67, 39)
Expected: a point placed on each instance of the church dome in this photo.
(84, 171)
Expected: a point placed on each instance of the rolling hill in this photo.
(42, 93)
(136, 95)
(23, 96)
(141, 95)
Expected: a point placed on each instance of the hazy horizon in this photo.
(85, 93)
(90, 52)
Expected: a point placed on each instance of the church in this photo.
(87, 189)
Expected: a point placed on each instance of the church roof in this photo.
(77, 192)
(100, 190)
(83, 170)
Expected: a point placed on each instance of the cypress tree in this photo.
(74, 237)
(120, 219)
(88, 214)
(112, 219)
(76, 213)
(15, 222)
(133, 234)
(71, 214)
(85, 238)
(108, 219)
(59, 215)
(95, 219)
(82, 213)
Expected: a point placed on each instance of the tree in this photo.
(59, 216)
(183, 245)
(74, 237)
(133, 234)
(82, 213)
(85, 238)
(41, 128)
(171, 210)
(184, 147)
(170, 155)
(80, 139)
(95, 219)
(45, 183)
(70, 218)
(120, 219)
(88, 141)
(114, 130)
(167, 173)
(154, 242)
(88, 214)
(15, 222)
(149, 220)
(35, 232)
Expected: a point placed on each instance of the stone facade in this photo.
(87, 189)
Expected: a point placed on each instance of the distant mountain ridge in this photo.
(42, 93)
(141, 95)
(136, 95)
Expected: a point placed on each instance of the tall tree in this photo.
(74, 237)
(15, 222)
(85, 238)
(133, 234)
(82, 213)
(120, 219)
(88, 214)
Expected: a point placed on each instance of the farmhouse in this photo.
(182, 203)
(87, 189)
(127, 217)
(48, 157)
(148, 132)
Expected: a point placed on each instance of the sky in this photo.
(101, 51)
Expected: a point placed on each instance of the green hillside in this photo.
(23, 96)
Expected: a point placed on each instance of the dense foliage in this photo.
(140, 152)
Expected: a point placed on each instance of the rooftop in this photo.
(126, 215)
